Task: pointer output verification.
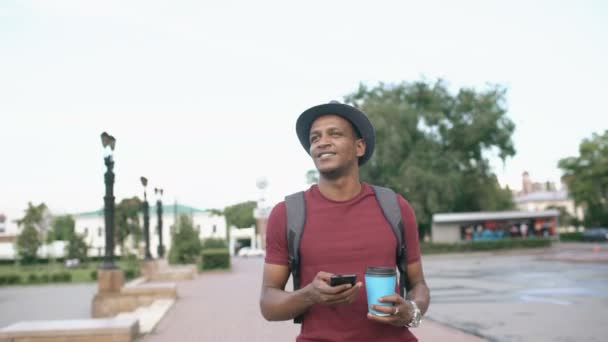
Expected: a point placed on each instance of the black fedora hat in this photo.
(356, 117)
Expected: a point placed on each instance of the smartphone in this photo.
(339, 279)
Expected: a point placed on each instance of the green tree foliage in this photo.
(214, 243)
(127, 222)
(240, 215)
(34, 223)
(186, 245)
(37, 216)
(587, 178)
(565, 219)
(433, 146)
(62, 228)
(216, 212)
(28, 243)
(76, 248)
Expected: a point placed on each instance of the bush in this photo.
(213, 243)
(44, 278)
(33, 278)
(186, 245)
(479, 246)
(13, 279)
(77, 248)
(66, 277)
(212, 259)
(131, 273)
(94, 275)
(56, 277)
(569, 237)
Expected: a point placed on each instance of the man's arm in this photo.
(419, 291)
(277, 304)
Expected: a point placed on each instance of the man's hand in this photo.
(400, 313)
(320, 292)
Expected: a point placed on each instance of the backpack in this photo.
(296, 217)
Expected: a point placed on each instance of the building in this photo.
(536, 196)
(91, 225)
(456, 227)
(8, 236)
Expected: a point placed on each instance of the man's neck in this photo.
(340, 189)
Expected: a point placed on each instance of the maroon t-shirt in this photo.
(343, 237)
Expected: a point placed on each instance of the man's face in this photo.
(334, 146)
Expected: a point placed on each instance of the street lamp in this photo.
(159, 227)
(109, 142)
(146, 210)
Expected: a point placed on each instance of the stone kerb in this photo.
(84, 330)
(133, 295)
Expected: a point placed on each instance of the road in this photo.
(522, 297)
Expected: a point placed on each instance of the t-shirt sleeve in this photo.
(410, 227)
(276, 237)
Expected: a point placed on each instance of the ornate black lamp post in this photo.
(146, 210)
(108, 143)
(159, 227)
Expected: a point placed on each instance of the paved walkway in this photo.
(223, 306)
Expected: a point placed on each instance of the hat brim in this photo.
(357, 118)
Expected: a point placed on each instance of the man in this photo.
(344, 233)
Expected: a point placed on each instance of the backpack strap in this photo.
(296, 218)
(387, 199)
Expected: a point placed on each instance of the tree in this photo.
(28, 243)
(433, 147)
(127, 222)
(587, 178)
(216, 212)
(76, 248)
(62, 228)
(35, 222)
(565, 219)
(240, 215)
(186, 245)
(37, 216)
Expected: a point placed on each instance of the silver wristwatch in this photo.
(416, 316)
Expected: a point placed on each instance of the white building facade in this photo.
(91, 225)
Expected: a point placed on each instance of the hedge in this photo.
(42, 261)
(478, 246)
(35, 278)
(214, 243)
(217, 258)
(10, 279)
(130, 273)
(568, 237)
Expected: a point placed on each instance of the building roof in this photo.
(492, 216)
(167, 209)
(542, 196)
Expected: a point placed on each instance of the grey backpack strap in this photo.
(387, 199)
(295, 207)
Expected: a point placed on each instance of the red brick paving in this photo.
(223, 306)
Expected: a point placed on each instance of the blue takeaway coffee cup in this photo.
(379, 282)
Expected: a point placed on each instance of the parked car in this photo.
(251, 252)
(595, 234)
(72, 263)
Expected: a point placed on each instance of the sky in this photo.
(202, 96)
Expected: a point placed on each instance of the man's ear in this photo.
(360, 147)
